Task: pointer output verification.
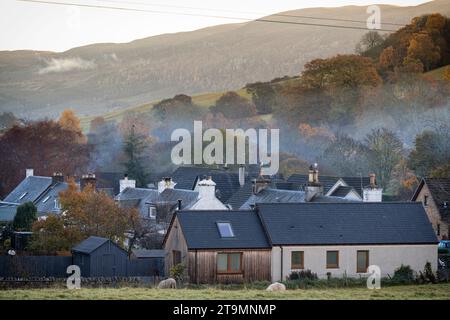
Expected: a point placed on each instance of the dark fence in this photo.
(56, 266)
(34, 266)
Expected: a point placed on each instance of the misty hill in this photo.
(99, 78)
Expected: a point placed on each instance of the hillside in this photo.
(103, 78)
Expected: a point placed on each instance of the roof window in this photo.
(225, 229)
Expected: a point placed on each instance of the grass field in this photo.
(437, 291)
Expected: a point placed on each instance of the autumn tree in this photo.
(384, 150)
(369, 41)
(69, 121)
(26, 215)
(233, 106)
(44, 146)
(263, 96)
(422, 48)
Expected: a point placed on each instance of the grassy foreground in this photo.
(437, 291)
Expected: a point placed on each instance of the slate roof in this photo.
(33, 186)
(90, 244)
(46, 202)
(7, 212)
(227, 181)
(330, 199)
(300, 180)
(273, 196)
(241, 195)
(200, 230)
(348, 223)
(440, 191)
(341, 191)
(144, 253)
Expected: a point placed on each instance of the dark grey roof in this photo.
(301, 180)
(440, 192)
(357, 183)
(227, 181)
(7, 212)
(346, 223)
(46, 202)
(241, 196)
(200, 229)
(273, 196)
(90, 244)
(108, 180)
(144, 253)
(332, 199)
(341, 191)
(33, 186)
(135, 193)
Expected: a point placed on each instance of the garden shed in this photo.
(100, 257)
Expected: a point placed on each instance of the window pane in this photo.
(235, 262)
(297, 259)
(332, 258)
(222, 262)
(225, 229)
(362, 257)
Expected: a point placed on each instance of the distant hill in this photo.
(101, 78)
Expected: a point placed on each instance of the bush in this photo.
(304, 274)
(403, 275)
(427, 276)
(177, 272)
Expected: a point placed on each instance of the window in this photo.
(225, 229)
(23, 195)
(229, 262)
(46, 199)
(152, 212)
(438, 231)
(57, 205)
(362, 261)
(332, 259)
(297, 260)
(425, 200)
(176, 256)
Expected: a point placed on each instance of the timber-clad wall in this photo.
(202, 266)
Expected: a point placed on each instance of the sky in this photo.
(52, 27)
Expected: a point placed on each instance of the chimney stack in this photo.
(29, 173)
(241, 175)
(207, 189)
(88, 179)
(260, 184)
(313, 186)
(126, 183)
(57, 178)
(372, 193)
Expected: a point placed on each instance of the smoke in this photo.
(66, 65)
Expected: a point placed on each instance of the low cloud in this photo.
(66, 65)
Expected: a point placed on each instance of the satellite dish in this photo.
(11, 252)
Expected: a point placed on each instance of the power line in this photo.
(246, 12)
(201, 15)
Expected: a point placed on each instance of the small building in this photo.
(434, 194)
(100, 257)
(218, 246)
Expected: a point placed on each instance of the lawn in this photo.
(437, 291)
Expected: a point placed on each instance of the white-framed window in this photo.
(152, 212)
(225, 229)
(46, 199)
(23, 195)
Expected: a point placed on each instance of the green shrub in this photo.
(304, 274)
(177, 272)
(427, 276)
(403, 275)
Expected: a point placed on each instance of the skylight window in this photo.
(225, 229)
(46, 199)
(23, 195)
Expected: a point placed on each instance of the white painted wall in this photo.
(372, 194)
(387, 257)
(126, 183)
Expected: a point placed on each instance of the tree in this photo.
(385, 150)
(26, 214)
(133, 148)
(263, 96)
(44, 146)
(369, 41)
(233, 106)
(69, 121)
(422, 48)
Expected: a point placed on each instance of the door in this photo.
(109, 265)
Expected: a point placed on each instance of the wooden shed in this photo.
(219, 246)
(100, 257)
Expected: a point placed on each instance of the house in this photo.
(434, 194)
(218, 246)
(100, 257)
(345, 238)
(275, 239)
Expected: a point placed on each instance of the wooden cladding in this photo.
(254, 266)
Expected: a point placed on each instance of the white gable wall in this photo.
(387, 257)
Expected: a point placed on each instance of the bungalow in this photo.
(275, 239)
(434, 194)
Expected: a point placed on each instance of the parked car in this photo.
(444, 245)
